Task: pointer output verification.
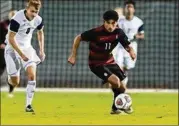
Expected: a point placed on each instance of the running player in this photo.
(102, 40)
(19, 52)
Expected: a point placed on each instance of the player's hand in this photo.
(2, 46)
(24, 58)
(42, 55)
(72, 59)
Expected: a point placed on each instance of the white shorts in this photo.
(122, 57)
(14, 62)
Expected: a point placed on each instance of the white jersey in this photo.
(131, 27)
(23, 28)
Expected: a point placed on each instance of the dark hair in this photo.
(129, 2)
(110, 15)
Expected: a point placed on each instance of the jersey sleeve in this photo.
(87, 35)
(40, 26)
(15, 22)
(14, 25)
(141, 26)
(123, 39)
(141, 29)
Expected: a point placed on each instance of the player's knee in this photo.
(114, 81)
(31, 77)
(31, 72)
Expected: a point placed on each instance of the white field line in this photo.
(94, 90)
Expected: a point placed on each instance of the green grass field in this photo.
(88, 108)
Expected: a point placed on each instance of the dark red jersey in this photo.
(102, 43)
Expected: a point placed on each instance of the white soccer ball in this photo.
(123, 101)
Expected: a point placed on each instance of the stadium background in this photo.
(158, 54)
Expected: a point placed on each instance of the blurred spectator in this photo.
(3, 31)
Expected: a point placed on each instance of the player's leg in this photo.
(119, 54)
(13, 81)
(116, 77)
(30, 68)
(107, 75)
(128, 62)
(122, 77)
(13, 69)
(31, 85)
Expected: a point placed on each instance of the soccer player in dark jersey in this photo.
(102, 41)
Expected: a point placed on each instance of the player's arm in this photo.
(140, 34)
(130, 50)
(14, 26)
(40, 36)
(126, 44)
(76, 43)
(85, 36)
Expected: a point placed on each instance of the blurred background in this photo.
(158, 55)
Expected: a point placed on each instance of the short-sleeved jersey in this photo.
(131, 27)
(102, 43)
(24, 28)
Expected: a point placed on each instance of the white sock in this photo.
(31, 85)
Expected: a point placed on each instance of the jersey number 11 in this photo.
(107, 46)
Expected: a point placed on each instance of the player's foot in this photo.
(117, 111)
(29, 109)
(11, 88)
(129, 110)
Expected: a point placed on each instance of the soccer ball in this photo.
(123, 101)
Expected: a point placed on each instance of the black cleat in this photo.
(29, 109)
(116, 112)
(11, 88)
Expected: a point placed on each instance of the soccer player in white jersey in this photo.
(133, 27)
(19, 52)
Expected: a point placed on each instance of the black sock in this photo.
(116, 92)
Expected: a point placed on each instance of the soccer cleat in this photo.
(29, 109)
(11, 88)
(117, 111)
(129, 110)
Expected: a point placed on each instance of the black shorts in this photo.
(105, 71)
